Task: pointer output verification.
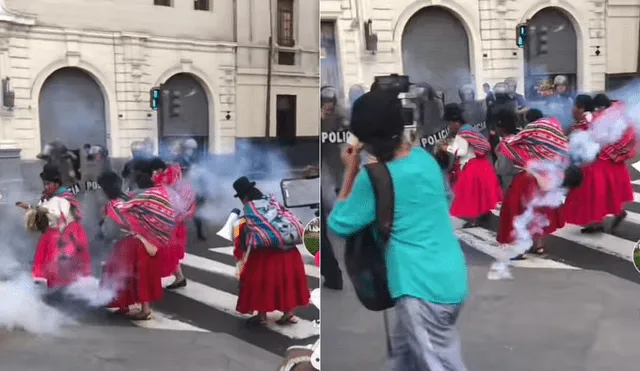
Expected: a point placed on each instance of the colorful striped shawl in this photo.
(149, 214)
(476, 140)
(627, 146)
(184, 198)
(540, 140)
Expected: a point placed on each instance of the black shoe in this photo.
(617, 220)
(519, 257)
(333, 284)
(592, 229)
(201, 237)
(470, 224)
(177, 284)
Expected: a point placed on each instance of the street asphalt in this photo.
(542, 320)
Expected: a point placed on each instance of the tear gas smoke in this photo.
(90, 291)
(584, 146)
(212, 179)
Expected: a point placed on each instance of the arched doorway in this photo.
(192, 120)
(71, 108)
(561, 56)
(435, 50)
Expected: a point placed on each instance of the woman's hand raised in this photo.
(351, 157)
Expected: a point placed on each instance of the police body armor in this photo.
(333, 137)
(429, 108)
(474, 111)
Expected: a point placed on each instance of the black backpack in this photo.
(364, 254)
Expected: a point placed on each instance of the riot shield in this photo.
(93, 161)
(475, 114)
(333, 139)
(431, 127)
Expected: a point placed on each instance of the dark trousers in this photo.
(198, 222)
(328, 263)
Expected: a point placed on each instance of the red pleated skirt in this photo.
(174, 252)
(477, 190)
(606, 187)
(133, 273)
(62, 257)
(273, 280)
(522, 188)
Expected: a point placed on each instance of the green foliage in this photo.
(312, 244)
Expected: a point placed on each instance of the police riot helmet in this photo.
(328, 94)
(511, 84)
(137, 147)
(190, 144)
(467, 93)
(561, 80)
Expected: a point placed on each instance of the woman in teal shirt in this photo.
(426, 268)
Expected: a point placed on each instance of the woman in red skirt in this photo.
(477, 189)
(539, 140)
(62, 254)
(271, 279)
(185, 203)
(607, 184)
(132, 269)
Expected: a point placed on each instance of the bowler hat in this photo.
(453, 112)
(242, 186)
(50, 173)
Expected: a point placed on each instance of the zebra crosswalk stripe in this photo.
(484, 240)
(220, 301)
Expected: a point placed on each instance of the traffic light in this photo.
(175, 104)
(154, 98)
(522, 34)
(543, 40)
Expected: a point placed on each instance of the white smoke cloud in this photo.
(584, 146)
(213, 179)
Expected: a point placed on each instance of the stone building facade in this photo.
(82, 70)
(448, 43)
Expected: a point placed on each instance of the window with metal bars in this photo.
(162, 2)
(285, 23)
(201, 4)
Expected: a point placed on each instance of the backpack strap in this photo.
(385, 200)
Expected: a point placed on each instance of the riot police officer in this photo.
(512, 86)
(560, 104)
(474, 111)
(57, 154)
(139, 151)
(503, 101)
(332, 119)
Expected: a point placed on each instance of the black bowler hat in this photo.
(51, 173)
(453, 112)
(243, 186)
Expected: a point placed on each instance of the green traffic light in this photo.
(155, 98)
(521, 35)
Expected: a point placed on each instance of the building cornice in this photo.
(10, 16)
